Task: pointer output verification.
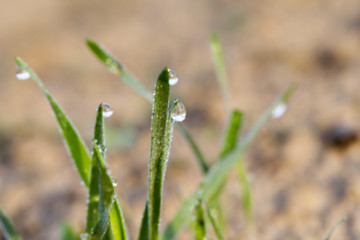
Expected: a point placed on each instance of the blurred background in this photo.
(304, 166)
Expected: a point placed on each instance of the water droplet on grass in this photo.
(82, 183)
(21, 74)
(83, 236)
(178, 112)
(107, 110)
(173, 79)
(114, 181)
(279, 110)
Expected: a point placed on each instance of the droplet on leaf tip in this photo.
(107, 110)
(21, 74)
(173, 79)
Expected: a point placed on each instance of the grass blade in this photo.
(67, 233)
(328, 236)
(220, 69)
(77, 149)
(213, 180)
(106, 196)
(8, 228)
(231, 133)
(200, 225)
(115, 67)
(117, 221)
(215, 222)
(144, 233)
(161, 131)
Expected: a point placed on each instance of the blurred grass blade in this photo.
(106, 196)
(199, 156)
(213, 180)
(220, 69)
(215, 222)
(144, 233)
(343, 219)
(8, 228)
(246, 197)
(74, 142)
(115, 67)
(231, 133)
(161, 131)
(200, 225)
(67, 233)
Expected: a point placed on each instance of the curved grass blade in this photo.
(161, 131)
(200, 225)
(77, 149)
(213, 217)
(328, 236)
(106, 196)
(213, 180)
(231, 133)
(117, 221)
(8, 228)
(115, 66)
(144, 233)
(220, 70)
(67, 233)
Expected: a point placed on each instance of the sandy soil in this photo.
(305, 166)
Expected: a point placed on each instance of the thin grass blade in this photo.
(213, 217)
(200, 225)
(161, 131)
(213, 180)
(8, 228)
(76, 146)
(220, 69)
(116, 67)
(144, 233)
(118, 222)
(67, 233)
(106, 197)
(341, 221)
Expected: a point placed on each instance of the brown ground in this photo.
(305, 165)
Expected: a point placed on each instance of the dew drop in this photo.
(83, 236)
(82, 183)
(178, 112)
(173, 79)
(21, 74)
(114, 181)
(279, 110)
(107, 110)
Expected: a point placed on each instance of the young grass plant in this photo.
(105, 220)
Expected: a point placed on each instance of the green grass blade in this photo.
(118, 222)
(116, 67)
(199, 156)
(73, 140)
(161, 130)
(200, 225)
(144, 233)
(213, 180)
(67, 233)
(213, 217)
(328, 236)
(8, 228)
(106, 196)
(231, 133)
(220, 69)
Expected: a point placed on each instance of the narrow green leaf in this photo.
(199, 156)
(118, 222)
(93, 198)
(220, 69)
(214, 179)
(73, 140)
(67, 233)
(212, 213)
(161, 130)
(8, 228)
(231, 133)
(144, 233)
(200, 225)
(328, 236)
(116, 67)
(106, 197)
